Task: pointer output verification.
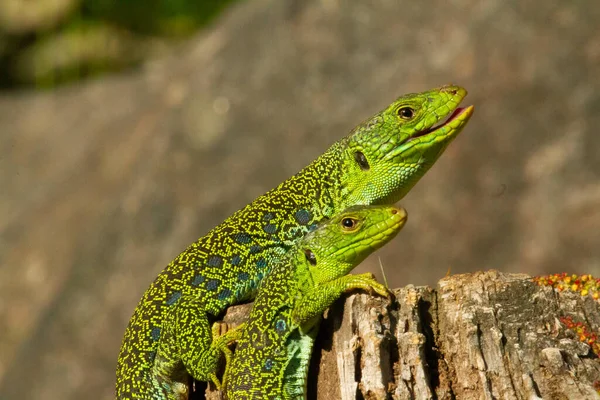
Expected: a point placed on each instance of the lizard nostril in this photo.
(394, 211)
(450, 89)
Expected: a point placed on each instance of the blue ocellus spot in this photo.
(198, 279)
(151, 355)
(214, 261)
(172, 299)
(242, 238)
(270, 228)
(243, 276)
(269, 364)
(302, 216)
(261, 263)
(236, 260)
(255, 249)
(155, 333)
(280, 325)
(268, 216)
(212, 284)
(225, 293)
(312, 227)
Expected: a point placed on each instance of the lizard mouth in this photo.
(456, 119)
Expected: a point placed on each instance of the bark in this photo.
(486, 335)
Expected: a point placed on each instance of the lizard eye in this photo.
(406, 113)
(362, 161)
(349, 223)
(310, 257)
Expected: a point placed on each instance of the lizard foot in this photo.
(368, 283)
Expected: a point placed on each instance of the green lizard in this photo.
(274, 346)
(377, 163)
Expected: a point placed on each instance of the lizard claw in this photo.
(381, 290)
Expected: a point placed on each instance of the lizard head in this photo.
(385, 156)
(339, 244)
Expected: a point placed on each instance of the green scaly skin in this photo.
(274, 346)
(377, 163)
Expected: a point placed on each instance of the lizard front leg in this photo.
(222, 342)
(313, 303)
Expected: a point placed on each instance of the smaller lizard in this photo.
(275, 344)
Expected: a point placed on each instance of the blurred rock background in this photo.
(46, 43)
(128, 129)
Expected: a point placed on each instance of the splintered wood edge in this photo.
(481, 335)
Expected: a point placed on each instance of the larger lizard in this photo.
(275, 344)
(377, 163)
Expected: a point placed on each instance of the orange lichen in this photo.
(583, 333)
(584, 284)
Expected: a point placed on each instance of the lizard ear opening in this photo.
(362, 161)
(310, 257)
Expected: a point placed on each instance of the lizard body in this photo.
(377, 163)
(274, 346)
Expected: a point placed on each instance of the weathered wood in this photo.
(487, 335)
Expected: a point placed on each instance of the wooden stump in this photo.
(487, 335)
